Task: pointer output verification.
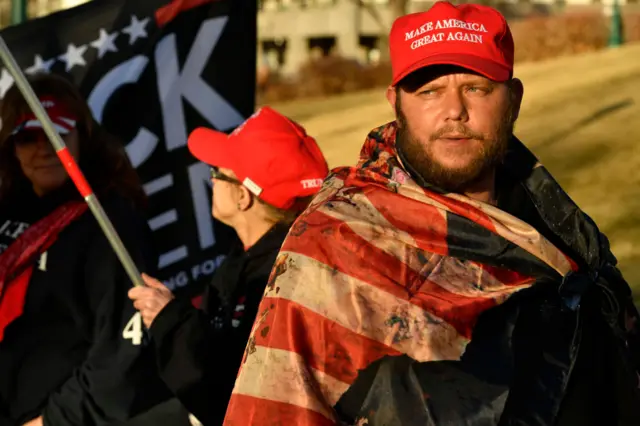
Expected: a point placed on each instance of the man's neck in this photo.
(484, 190)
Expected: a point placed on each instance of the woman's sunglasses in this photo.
(217, 175)
(28, 137)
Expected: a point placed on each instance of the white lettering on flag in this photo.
(174, 85)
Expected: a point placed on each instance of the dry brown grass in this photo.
(581, 116)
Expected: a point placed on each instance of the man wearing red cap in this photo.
(447, 279)
(264, 174)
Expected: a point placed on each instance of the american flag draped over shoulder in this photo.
(381, 266)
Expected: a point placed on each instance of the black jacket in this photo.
(199, 351)
(66, 357)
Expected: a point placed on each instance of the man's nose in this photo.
(454, 106)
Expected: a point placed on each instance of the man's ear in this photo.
(517, 93)
(391, 96)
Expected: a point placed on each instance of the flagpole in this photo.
(70, 164)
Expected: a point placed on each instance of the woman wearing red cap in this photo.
(264, 174)
(63, 357)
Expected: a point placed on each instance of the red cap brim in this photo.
(490, 69)
(211, 147)
(63, 125)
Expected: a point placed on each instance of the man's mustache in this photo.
(460, 131)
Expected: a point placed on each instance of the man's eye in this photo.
(477, 89)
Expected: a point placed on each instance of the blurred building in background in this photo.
(36, 8)
(292, 31)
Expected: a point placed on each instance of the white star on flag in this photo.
(74, 56)
(6, 81)
(40, 65)
(136, 30)
(105, 43)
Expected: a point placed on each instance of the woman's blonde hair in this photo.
(282, 216)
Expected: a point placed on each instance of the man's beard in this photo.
(420, 156)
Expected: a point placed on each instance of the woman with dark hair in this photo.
(264, 175)
(72, 349)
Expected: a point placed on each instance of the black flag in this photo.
(152, 71)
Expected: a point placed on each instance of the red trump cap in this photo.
(64, 121)
(270, 154)
(471, 36)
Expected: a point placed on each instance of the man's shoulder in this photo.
(329, 218)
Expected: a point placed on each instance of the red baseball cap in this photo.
(271, 155)
(63, 120)
(471, 36)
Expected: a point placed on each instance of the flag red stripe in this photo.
(324, 344)
(349, 254)
(246, 410)
(167, 13)
(425, 223)
(353, 256)
(455, 206)
(505, 276)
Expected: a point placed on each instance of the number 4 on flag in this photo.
(134, 330)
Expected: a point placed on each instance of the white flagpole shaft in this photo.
(70, 165)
